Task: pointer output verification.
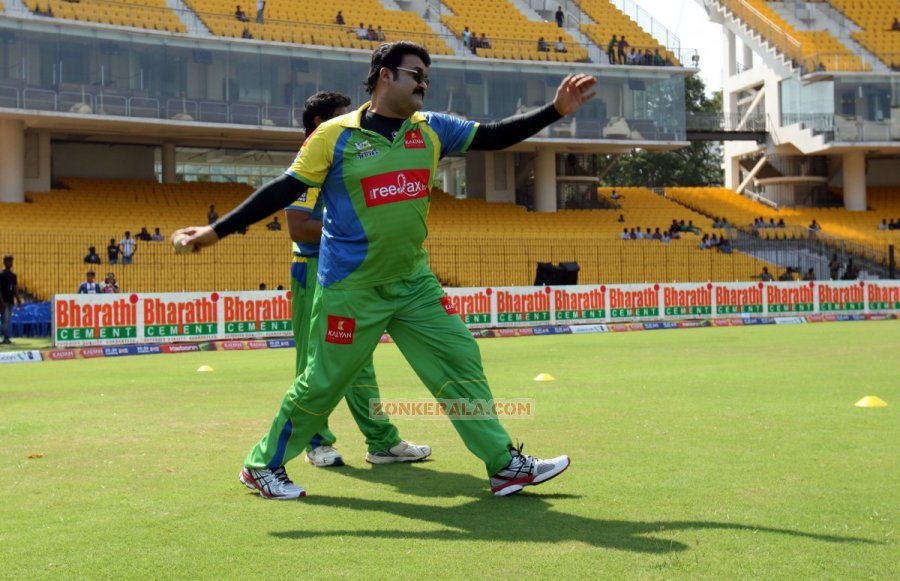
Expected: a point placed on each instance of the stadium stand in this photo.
(858, 227)
(609, 20)
(312, 22)
(812, 50)
(875, 18)
(511, 34)
(148, 14)
(461, 230)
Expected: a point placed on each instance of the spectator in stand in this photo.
(379, 34)
(144, 235)
(633, 235)
(895, 25)
(129, 246)
(89, 286)
(648, 235)
(623, 44)
(810, 275)
(704, 242)
(262, 286)
(542, 45)
(611, 49)
(484, 42)
(473, 42)
(246, 34)
(92, 256)
(362, 33)
(851, 272)
(466, 36)
(560, 45)
(765, 276)
(724, 245)
(635, 57)
(260, 10)
(657, 235)
(614, 196)
(113, 251)
(884, 224)
(639, 235)
(787, 275)
(716, 222)
(274, 225)
(648, 57)
(665, 237)
(781, 223)
(834, 267)
(110, 286)
(370, 33)
(212, 215)
(621, 219)
(692, 228)
(814, 227)
(658, 60)
(157, 236)
(561, 17)
(339, 19)
(892, 225)
(771, 223)
(239, 14)
(625, 234)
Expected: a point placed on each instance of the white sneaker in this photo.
(273, 484)
(402, 452)
(324, 457)
(525, 471)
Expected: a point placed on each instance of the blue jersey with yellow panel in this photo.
(376, 193)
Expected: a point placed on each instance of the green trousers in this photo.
(346, 328)
(380, 434)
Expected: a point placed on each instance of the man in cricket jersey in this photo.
(304, 220)
(375, 167)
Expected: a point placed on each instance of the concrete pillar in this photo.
(730, 54)
(450, 179)
(168, 163)
(12, 161)
(545, 181)
(475, 168)
(732, 171)
(748, 57)
(38, 171)
(855, 181)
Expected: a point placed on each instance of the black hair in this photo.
(390, 55)
(323, 105)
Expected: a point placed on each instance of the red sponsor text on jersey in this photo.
(396, 186)
(413, 140)
(340, 330)
(448, 305)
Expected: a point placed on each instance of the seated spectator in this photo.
(635, 57)
(89, 286)
(379, 34)
(810, 275)
(473, 43)
(110, 285)
(362, 33)
(611, 49)
(712, 242)
(648, 57)
(92, 256)
(895, 25)
(246, 33)
(621, 219)
(771, 223)
(884, 224)
(274, 225)
(692, 228)
(675, 235)
(371, 34)
(614, 195)
(781, 223)
(144, 235)
(892, 225)
(239, 14)
(765, 276)
(657, 235)
(542, 45)
(639, 235)
(787, 275)
(665, 237)
(851, 272)
(724, 246)
(716, 222)
(704, 242)
(724, 222)
(339, 19)
(658, 60)
(483, 42)
(560, 45)
(814, 226)
(648, 235)
(466, 36)
(157, 236)
(212, 215)
(625, 235)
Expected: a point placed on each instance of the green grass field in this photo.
(731, 453)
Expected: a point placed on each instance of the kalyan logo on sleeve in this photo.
(340, 330)
(448, 305)
(413, 139)
(396, 186)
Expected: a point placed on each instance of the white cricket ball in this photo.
(182, 246)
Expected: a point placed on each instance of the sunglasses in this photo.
(418, 76)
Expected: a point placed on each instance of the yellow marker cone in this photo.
(204, 369)
(544, 377)
(871, 401)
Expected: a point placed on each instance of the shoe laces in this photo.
(519, 463)
(280, 474)
(326, 449)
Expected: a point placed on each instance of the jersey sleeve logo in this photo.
(413, 139)
(396, 186)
